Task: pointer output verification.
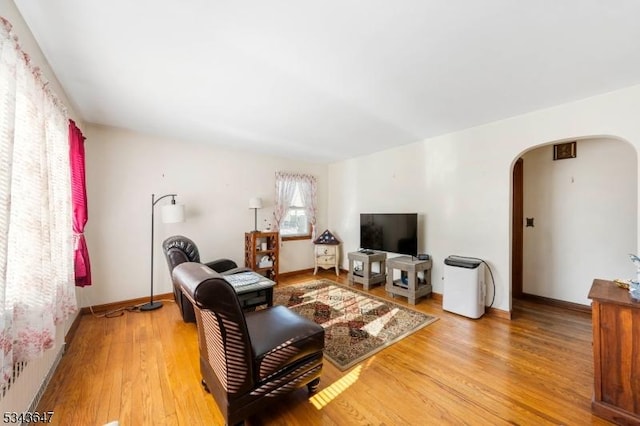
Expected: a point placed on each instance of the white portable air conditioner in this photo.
(464, 288)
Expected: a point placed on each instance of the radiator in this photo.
(30, 380)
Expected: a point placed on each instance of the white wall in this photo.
(585, 218)
(461, 182)
(123, 170)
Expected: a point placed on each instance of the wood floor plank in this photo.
(92, 391)
(536, 369)
(114, 373)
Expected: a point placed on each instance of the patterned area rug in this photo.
(357, 325)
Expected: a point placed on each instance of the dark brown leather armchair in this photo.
(179, 249)
(248, 359)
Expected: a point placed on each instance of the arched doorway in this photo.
(573, 219)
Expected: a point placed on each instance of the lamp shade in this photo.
(255, 203)
(173, 213)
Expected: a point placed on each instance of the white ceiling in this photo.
(331, 79)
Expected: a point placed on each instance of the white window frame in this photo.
(297, 207)
(295, 190)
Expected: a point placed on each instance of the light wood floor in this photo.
(142, 369)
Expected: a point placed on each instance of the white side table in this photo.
(327, 256)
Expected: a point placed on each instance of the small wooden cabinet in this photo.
(616, 353)
(261, 253)
(327, 256)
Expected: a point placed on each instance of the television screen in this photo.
(391, 232)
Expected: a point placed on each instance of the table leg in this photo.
(411, 276)
(270, 297)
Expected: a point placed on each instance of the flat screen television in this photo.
(391, 232)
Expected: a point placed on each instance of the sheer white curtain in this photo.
(285, 190)
(308, 189)
(286, 184)
(36, 244)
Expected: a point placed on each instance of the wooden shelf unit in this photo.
(258, 245)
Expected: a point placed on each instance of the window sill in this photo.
(296, 238)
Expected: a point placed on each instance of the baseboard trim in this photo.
(107, 307)
(498, 313)
(291, 273)
(73, 328)
(492, 312)
(558, 303)
(309, 271)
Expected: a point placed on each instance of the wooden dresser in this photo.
(616, 353)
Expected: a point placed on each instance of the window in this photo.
(295, 222)
(295, 211)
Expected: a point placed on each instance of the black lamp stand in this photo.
(154, 305)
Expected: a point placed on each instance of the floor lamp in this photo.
(171, 213)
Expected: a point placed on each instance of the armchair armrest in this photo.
(236, 270)
(222, 265)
